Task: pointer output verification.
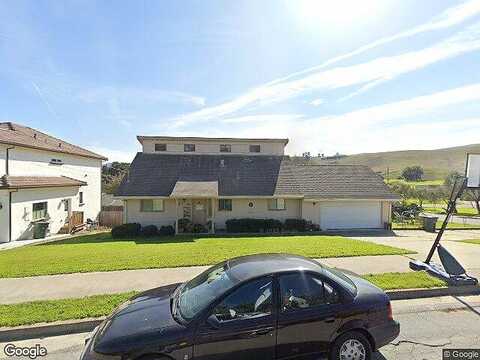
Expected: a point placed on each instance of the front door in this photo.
(307, 318)
(243, 326)
(199, 212)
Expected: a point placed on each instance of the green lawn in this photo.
(57, 310)
(461, 211)
(410, 280)
(451, 225)
(416, 183)
(473, 241)
(102, 305)
(100, 252)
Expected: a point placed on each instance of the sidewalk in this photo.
(17, 290)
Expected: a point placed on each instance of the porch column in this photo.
(176, 216)
(213, 205)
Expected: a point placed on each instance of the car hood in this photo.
(144, 318)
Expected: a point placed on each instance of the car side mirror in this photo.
(213, 322)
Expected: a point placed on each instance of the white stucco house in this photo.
(43, 178)
(211, 180)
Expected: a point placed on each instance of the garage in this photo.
(351, 215)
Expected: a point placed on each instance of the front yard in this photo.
(99, 252)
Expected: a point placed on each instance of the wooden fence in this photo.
(111, 216)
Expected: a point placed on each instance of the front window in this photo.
(252, 300)
(225, 205)
(225, 148)
(189, 147)
(254, 148)
(276, 204)
(197, 294)
(160, 147)
(80, 198)
(151, 205)
(39, 211)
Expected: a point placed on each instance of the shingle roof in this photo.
(241, 175)
(15, 134)
(195, 189)
(29, 182)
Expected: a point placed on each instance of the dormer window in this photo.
(56, 162)
(160, 147)
(254, 148)
(189, 147)
(225, 148)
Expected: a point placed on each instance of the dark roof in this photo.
(29, 182)
(154, 174)
(19, 135)
(252, 266)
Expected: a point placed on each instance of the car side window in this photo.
(303, 291)
(251, 300)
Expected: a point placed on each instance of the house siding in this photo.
(166, 217)
(4, 211)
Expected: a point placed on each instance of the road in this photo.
(428, 325)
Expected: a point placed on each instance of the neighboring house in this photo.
(44, 179)
(216, 179)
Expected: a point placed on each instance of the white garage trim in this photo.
(351, 215)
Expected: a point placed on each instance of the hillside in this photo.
(436, 163)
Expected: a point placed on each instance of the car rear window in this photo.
(341, 279)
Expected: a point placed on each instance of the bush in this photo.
(167, 230)
(198, 228)
(185, 225)
(402, 211)
(126, 230)
(295, 225)
(247, 225)
(149, 230)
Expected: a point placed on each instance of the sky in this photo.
(334, 76)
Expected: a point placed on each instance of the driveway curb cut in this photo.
(86, 325)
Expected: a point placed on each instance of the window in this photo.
(303, 291)
(80, 198)
(65, 204)
(56, 162)
(251, 300)
(39, 211)
(151, 205)
(276, 204)
(225, 204)
(225, 148)
(188, 147)
(254, 148)
(160, 147)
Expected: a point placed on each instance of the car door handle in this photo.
(329, 319)
(261, 332)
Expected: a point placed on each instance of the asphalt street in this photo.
(427, 326)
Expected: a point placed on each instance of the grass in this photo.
(417, 183)
(410, 280)
(102, 305)
(472, 241)
(57, 310)
(99, 252)
(418, 226)
(461, 211)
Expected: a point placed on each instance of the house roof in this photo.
(30, 182)
(154, 174)
(141, 138)
(19, 135)
(186, 189)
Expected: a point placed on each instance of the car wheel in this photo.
(351, 346)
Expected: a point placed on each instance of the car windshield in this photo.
(195, 295)
(341, 279)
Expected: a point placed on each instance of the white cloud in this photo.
(317, 102)
(114, 154)
(263, 118)
(367, 75)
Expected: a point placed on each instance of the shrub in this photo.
(149, 230)
(402, 211)
(198, 228)
(248, 225)
(295, 225)
(126, 230)
(185, 225)
(167, 230)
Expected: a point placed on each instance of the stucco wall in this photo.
(3, 154)
(22, 208)
(213, 147)
(4, 216)
(25, 162)
(311, 211)
(240, 209)
(166, 217)
(386, 212)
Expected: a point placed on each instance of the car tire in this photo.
(352, 345)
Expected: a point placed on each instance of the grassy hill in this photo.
(436, 163)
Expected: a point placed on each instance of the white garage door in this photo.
(350, 215)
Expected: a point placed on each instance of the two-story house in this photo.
(210, 180)
(43, 178)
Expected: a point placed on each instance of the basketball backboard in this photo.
(473, 171)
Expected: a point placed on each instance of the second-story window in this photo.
(254, 148)
(160, 147)
(188, 147)
(225, 148)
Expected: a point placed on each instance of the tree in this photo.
(419, 193)
(451, 178)
(474, 196)
(404, 190)
(413, 173)
(112, 175)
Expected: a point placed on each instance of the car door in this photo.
(241, 326)
(307, 316)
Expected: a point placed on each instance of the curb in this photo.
(86, 325)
